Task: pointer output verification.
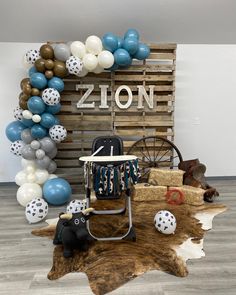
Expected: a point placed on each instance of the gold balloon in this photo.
(49, 74)
(23, 104)
(25, 81)
(46, 51)
(35, 92)
(26, 89)
(49, 64)
(24, 96)
(60, 69)
(40, 65)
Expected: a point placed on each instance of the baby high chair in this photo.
(113, 173)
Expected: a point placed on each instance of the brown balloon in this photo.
(46, 51)
(24, 96)
(49, 64)
(40, 65)
(26, 89)
(49, 74)
(60, 69)
(23, 104)
(25, 81)
(35, 92)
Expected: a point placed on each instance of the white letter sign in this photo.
(142, 93)
(117, 99)
(81, 104)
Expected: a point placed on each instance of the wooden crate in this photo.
(83, 125)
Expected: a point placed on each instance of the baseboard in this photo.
(8, 183)
(221, 177)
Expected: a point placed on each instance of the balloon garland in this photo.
(36, 129)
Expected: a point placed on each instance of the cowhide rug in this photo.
(109, 265)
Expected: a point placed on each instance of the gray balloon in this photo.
(27, 152)
(44, 162)
(47, 144)
(52, 154)
(40, 154)
(52, 167)
(35, 144)
(62, 52)
(26, 136)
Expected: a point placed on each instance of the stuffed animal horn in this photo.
(67, 216)
(87, 211)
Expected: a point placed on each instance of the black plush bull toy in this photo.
(71, 231)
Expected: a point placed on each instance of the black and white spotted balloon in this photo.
(51, 96)
(32, 55)
(76, 206)
(16, 147)
(36, 210)
(58, 133)
(17, 112)
(165, 222)
(74, 65)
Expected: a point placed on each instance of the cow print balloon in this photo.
(36, 210)
(74, 65)
(16, 147)
(76, 206)
(51, 96)
(32, 55)
(17, 112)
(165, 222)
(58, 133)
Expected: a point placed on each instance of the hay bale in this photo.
(146, 192)
(192, 195)
(165, 177)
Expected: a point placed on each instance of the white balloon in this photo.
(78, 49)
(16, 147)
(98, 69)
(93, 45)
(90, 61)
(83, 73)
(32, 55)
(41, 175)
(30, 169)
(17, 112)
(165, 222)
(74, 65)
(36, 118)
(27, 114)
(36, 210)
(52, 176)
(106, 59)
(21, 178)
(51, 96)
(25, 64)
(25, 163)
(27, 192)
(58, 133)
(76, 206)
(31, 178)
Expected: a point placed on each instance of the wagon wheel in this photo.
(155, 151)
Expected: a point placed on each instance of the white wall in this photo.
(205, 120)
(204, 114)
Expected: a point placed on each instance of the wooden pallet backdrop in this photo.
(130, 124)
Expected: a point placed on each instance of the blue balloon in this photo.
(56, 83)
(57, 191)
(32, 70)
(113, 68)
(36, 105)
(132, 33)
(38, 131)
(38, 80)
(120, 42)
(110, 42)
(142, 52)
(122, 57)
(13, 130)
(27, 122)
(57, 121)
(131, 45)
(47, 120)
(53, 109)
